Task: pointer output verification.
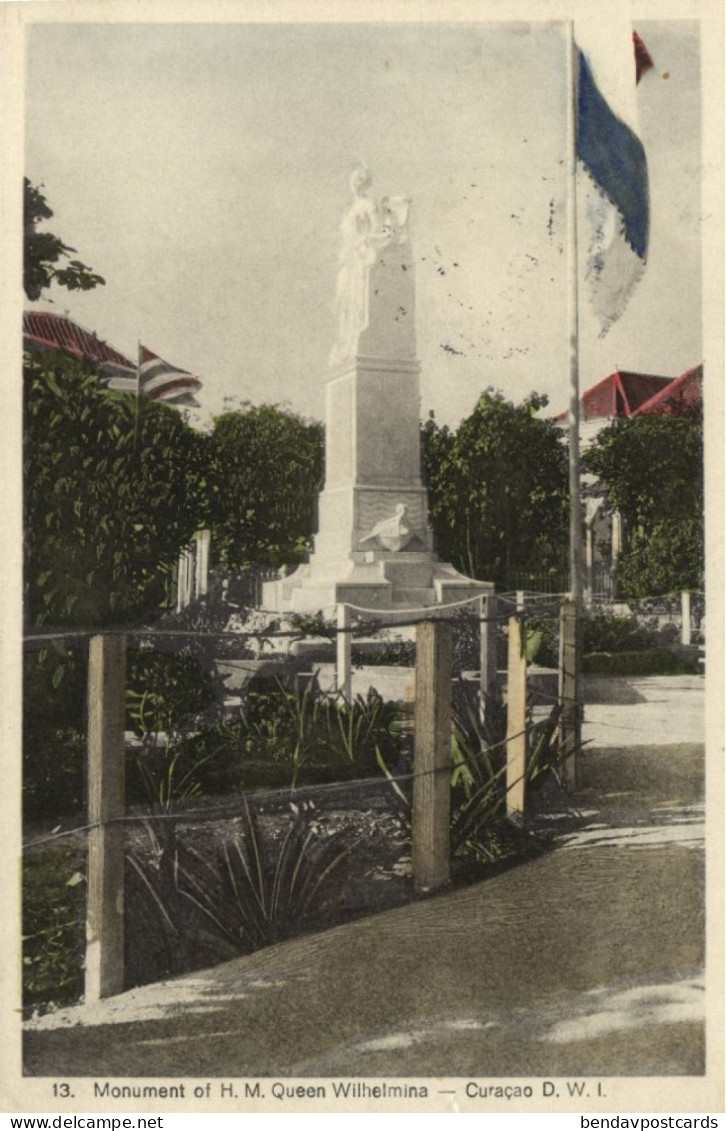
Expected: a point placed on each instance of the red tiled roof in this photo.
(630, 394)
(620, 394)
(683, 393)
(42, 329)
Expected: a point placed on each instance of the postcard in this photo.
(361, 650)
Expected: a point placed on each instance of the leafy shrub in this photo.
(53, 926)
(390, 653)
(53, 771)
(466, 632)
(54, 685)
(287, 736)
(543, 640)
(203, 629)
(602, 633)
(162, 689)
(654, 661)
(54, 691)
(98, 547)
(306, 729)
(313, 624)
(606, 633)
(466, 635)
(666, 558)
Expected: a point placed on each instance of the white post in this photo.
(616, 536)
(589, 565)
(686, 617)
(191, 562)
(343, 651)
(202, 563)
(182, 580)
(520, 600)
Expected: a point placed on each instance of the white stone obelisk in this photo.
(373, 548)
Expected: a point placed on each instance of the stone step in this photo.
(409, 575)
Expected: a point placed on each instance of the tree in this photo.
(113, 491)
(269, 468)
(498, 490)
(43, 250)
(651, 469)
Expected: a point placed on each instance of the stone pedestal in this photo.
(373, 548)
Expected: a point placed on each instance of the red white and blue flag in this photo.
(160, 381)
(121, 378)
(613, 185)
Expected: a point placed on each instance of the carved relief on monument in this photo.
(373, 507)
(393, 533)
(366, 228)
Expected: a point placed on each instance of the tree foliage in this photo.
(269, 467)
(43, 251)
(113, 491)
(651, 470)
(498, 489)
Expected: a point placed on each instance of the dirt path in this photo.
(585, 961)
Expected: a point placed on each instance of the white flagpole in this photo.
(138, 392)
(574, 413)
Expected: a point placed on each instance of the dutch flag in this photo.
(613, 185)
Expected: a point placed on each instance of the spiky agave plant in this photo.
(480, 829)
(258, 895)
(363, 725)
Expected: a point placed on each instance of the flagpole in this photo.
(573, 710)
(138, 392)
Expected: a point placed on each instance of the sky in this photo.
(202, 169)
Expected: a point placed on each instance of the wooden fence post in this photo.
(686, 617)
(105, 881)
(343, 651)
(569, 692)
(432, 751)
(517, 739)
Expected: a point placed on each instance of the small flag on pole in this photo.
(160, 381)
(121, 378)
(613, 178)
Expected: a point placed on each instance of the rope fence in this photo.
(428, 782)
(261, 797)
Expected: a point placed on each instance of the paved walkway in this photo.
(643, 710)
(584, 962)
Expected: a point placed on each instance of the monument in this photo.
(373, 549)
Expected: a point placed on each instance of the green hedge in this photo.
(53, 926)
(654, 661)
